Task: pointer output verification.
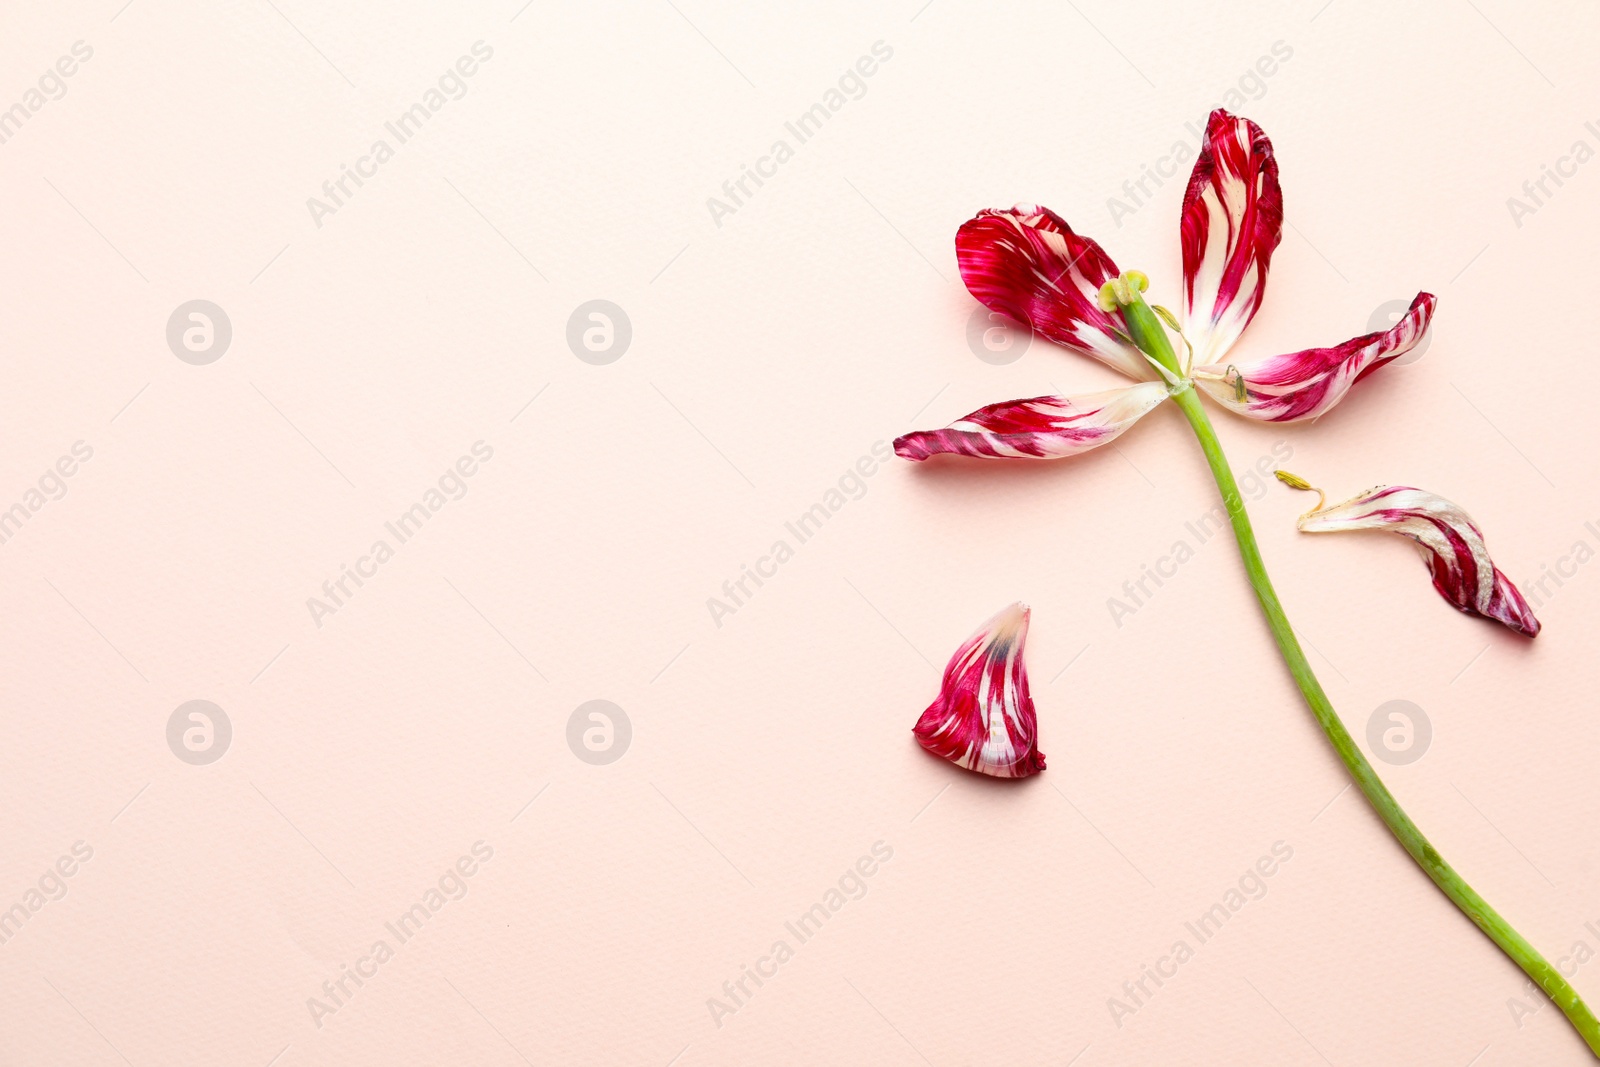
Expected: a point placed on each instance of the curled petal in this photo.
(1451, 543)
(983, 718)
(1044, 427)
(1304, 385)
(1232, 220)
(1026, 263)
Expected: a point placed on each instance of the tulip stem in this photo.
(1466, 898)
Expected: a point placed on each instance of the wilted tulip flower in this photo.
(1028, 264)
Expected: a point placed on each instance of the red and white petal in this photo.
(1232, 220)
(1026, 263)
(1451, 543)
(983, 718)
(1304, 385)
(1044, 427)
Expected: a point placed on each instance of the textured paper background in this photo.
(769, 354)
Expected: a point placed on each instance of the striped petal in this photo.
(1027, 264)
(1304, 385)
(983, 718)
(1045, 427)
(1232, 220)
(1451, 543)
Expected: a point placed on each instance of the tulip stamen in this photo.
(1172, 324)
(1235, 379)
(1294, 481)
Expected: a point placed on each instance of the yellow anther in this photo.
(1294, 481)
(1235, 379)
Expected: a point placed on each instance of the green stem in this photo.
(1394, 817)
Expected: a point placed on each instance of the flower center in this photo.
(1145, 330)
(1120, 292)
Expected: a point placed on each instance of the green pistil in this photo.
(1144, 328)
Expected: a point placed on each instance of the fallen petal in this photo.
(1232, 220)
(1044, 427)
(1026, 263)
(983, 719)
(1304, 385)
(1451, 543)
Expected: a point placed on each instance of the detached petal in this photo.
(1026, 263)
(1045, 427)
(1304, 385)
(983, 719)
(1232, 220)
(1452, 547)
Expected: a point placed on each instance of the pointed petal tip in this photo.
(1529, 628)
(909, 446)
(1011, 621)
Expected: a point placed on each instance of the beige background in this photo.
(768, 355)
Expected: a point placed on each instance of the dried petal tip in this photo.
(1451, 543)
(983, 718)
